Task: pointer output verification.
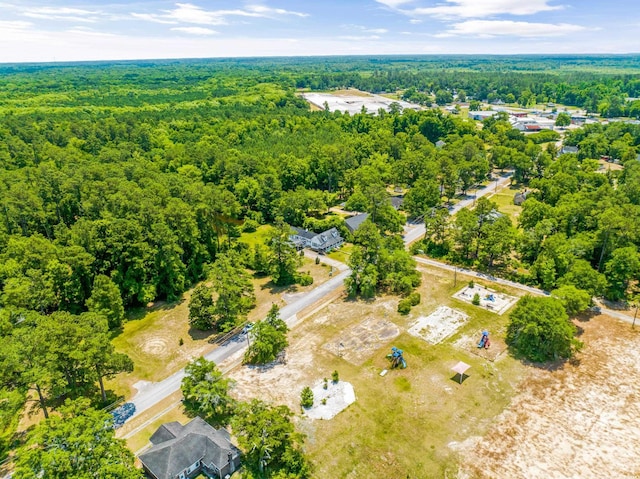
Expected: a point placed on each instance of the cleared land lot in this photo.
(403, 423)
(575, 420)
(352, 101)
(152, 339)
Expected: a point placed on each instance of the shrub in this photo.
(304, 279)
(180, 341)
(335, 377)
(306, 397)
(414, 299)
(476, 300)
(250, 225)
(404, 306)
(324, 401)
(325, 384)
(471, 284)
(317, 259)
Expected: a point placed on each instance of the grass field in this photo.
(152, 337)
(504, 199)
(409, 422)
(343, 254)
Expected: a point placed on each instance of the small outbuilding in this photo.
(520, 197)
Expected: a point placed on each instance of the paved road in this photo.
(484, 276)
(626, 317)
(415, 232)
(151, 394)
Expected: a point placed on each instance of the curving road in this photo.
(152, 393)
(415, 232)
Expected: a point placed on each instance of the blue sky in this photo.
(32, 30)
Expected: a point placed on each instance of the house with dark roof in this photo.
(301, 238)
(182, 452)
(354, 222)
(320, 243)
(396, 202)
(568, 149)
(520, 197)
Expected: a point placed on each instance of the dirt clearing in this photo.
(439, 325)
(358, 343)
(581, 420)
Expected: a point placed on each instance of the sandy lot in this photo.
(359, 342)
(580, 420)
(439, 325)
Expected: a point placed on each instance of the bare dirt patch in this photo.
(358, 343)
(439, 325)
(469, 343)
(576, 420)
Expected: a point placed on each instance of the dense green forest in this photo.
(121, 182)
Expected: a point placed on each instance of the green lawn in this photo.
(504, 199)
(343, 254)
(407, 423)
(259, 236)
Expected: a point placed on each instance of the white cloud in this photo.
(195, 30)
(478, 8)
(393, 3)
(14, 25)
(360, 28)
(151, 17)
(190, 13)
(358, 38)
(84, 31)
(494, 28)
(415, 21)
(267, 11)
(61, 13)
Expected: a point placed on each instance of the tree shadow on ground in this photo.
(136, 313)
(276, 289)
(554, 365)
(199, 334)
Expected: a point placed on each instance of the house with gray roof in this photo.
(354, 222)
(182, 452)
(320, 243)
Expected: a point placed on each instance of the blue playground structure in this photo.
(484, 340)
(396, 358)
(490, 297)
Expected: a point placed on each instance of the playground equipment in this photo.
(396, 358)
(490, 297)
(484, 340)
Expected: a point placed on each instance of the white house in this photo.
(320, 243)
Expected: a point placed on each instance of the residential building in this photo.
(182, 452)
(320, 243)
(354, 222)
